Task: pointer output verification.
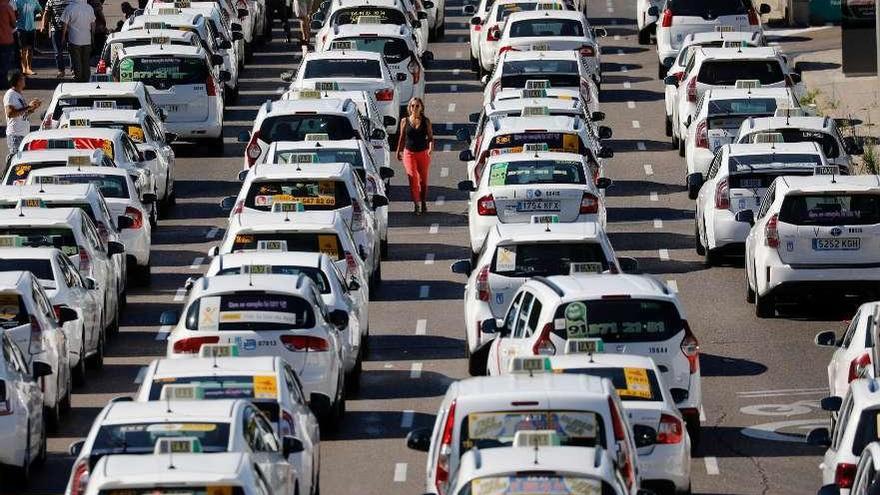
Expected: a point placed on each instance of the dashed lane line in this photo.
(180, 294)
(440, 200)
(630, 104)
(212, 233)
(142, 372)
(163, 332)
(400, 472)
(444, 171)
(421, 327)
(653, 196)
(641, 146)
(673, 286)
(434, 228)
(711, 466)
(451, 107)
(658, 223)
(636, 124)
(415, 371)
(664, 254)
(454, 88)
(649, 170)
(627, 84)
(197, 262)
(429, 259)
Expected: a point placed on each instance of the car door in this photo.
(25, 388)
(519, 339)
(502, 344)
(305, 426)
(102, 268)
(264, 448)
(86, 300)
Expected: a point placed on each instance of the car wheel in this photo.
(96, 361)
(765, 306)
(681, 145)
(698, 241)
(53, 417)
(644, 37)
(113, 329)
(475, 65)
(668, 126)
(750, 293)
(376, 279)
(142, 274)
(675, 139)
(19, 476)
(662, 70)
(383, 246)
(214, 146)
(353, 379)
(79, 371)
(693, 429)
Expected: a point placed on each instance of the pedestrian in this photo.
(79, 29)
(100, 31)
(127, 11)
(26, 27)
(52, 22)
(7, 39)
(415, 142)
(18, 113)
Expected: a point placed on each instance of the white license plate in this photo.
(541, 47)
(173, 108)
(537, 206)
(842, 244)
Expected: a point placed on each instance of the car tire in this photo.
(141, 275)
(383, 247)
(96, 361)
(214, 146)
(376, 279)
(353, 378)
(698, 241)
(19, 476)
(645, 37)
(673, 136)
(231, 96)
(681, 144)
(765, 306)
(694, 431)
(65, 402)
(668, 126)
(662, 70)
(113, 329)
(53, 418)
(750, 293)
(79, 371)
(475, 65)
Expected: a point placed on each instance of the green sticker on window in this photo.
(576, 320)
(498, 174)
(126, 70)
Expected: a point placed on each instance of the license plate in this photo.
(750, 183)
(173, 108)
(843, 244)
(541, 47)
(537, 206)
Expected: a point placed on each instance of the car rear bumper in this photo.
(728, 233)
(799, 280)
(667, 464)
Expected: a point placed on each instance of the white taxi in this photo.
(83, 96)
(568, 104)
(137, 37)
(854, 355)
(539, 70)
(494, 23)
(394, 12)
(589, 102)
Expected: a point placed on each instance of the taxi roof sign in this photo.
(538, 84)
(724, 29)
(747, 84)
(369, 19)
(827, 169)
(156, 25)
(218, 350)
(160, 40)
(317, 136)
(535, 147)
(545, 219)
(768, 137)
(584, 346)
(182, 4)
(535, 111)
(534, 93)
(734, 44)
(287, 206)
(548, 6)
(104, 105)
(178, 445)
(256, 269)
(789, 112)
(31, 203)
(276, 245)
(168, 11)
(79, 123)
(343, 44)
(7, 241)
(536, 438)
(327, 85)
(307, 94)
(580, 268)
(79, 161)
(529, 365)
(181, 391)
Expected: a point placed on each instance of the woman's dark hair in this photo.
(14, 77)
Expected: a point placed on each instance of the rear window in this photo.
(708, 9)
(630, 383)
(826, 141)
(111, 50)
(18, 174)
(745, 107)
(111, 186)
(13, 312)
(505, 10)
(75, 143)
(618, 320)
(316, 274)
(134, 131)
(88, 102)
(539, 67)
(57, 237)
(557, 80)
(328, 244)
(747, 163)
(177, 490)
(313, 194)
(546, 27)
(727, 72)
(546, 259)
(543, 482)
(497, 429)
(536, 172)
(295, 127)
(162, 72)
(831, 209)
(322, 155)
(343, 67)
(41, 268)
(223, 387)
(385, 15)
(555, 141)
(140, 438)
(393, 49)
(249, 310)
(762, 178)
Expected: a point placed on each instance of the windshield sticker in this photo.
(637, 384)
(327, 245)
(209, 313)
(570, 143)
(504, 425)
(498, 174)
(126, 70)
(576, 320)
(136, 133)
(265, 387)
(505, 259)
(8, 307)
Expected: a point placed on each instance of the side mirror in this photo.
(290, 445)
(852, 147)
(316, 24)
(820, 437)
(90, 283)
(644, 435)
(76, 447)
(653, 11)
(148, 155)
(190, 282)
(378, 134)
(388, 120)
(422, 16)
(475, 21)
(237, 36)
(216, 59)
(463, 135)
(474, 117)
(235, 26)
(826, 339)
(466, 186)
(242, 175)
(466, 156)
(687, 121)
(795, 78)
(379, 201)
(115, 247)
(67, 314)
(468, 10)
(427, 57)
(484, 80)
(603, 183)
(338, 318)
(400, 76)
(124, 222)
(386, 173)
(597, 116)
(605, 132)
(169, 317)
(324, 5)
(428, 4)
(417, 24)
(228, 203)
(148, 198)
(670, 81)
(831, 404)
(605, 152)
(354, 285)
(244, 137)
(628, 264)
(213, 251)
(462, 267)
(225, 76)
(170, 137)
(41, 369)
(600, 32)
(679, 395)
(764, 9)
(419, 439)
(747, 216)
(694, 183)
(287, 76)
(489, 326)
(242, 13)
(224, 44)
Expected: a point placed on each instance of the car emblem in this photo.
(529, 193)
(499, 298)
(836, 231)
(537, 193)
(621, 348)
(789, 246)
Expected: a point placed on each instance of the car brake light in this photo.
(679, 75)
(136, 217)
(253, 149)
(589, 204)
(858, 368)
(505, 49)
(754, 20)
(844, 475)
(722, 194)
(670, 430)
(544, 346)
(692, 90)
(441, 474)
(5, 403)
(57, 309)
(238, 208)
(588, 51)
(690, 347)
(350, 263)
(666, 20)
(483, 284)
(79, 480)
(495, 87)
(357, 216)
(386, 94)
(210, 85)
(620, 436)
(415, 70)
(702, 135)
(771, 235)
(85, 262)
(307, 343)
(101, 68)
(493, 34)
(486, 206)
(192, 345)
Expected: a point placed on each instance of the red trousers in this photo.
(416, 164)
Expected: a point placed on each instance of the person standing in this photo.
(18, 112)
(27, 10)
(7, 39)
(79, 29)
(53, 19)
(415, 143)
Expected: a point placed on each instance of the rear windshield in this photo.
(111, 186)
(57, 237)
(328, 244)
(746, 107)
(75, 143)
(538, 482)
(250, 310)
(315, 195)
(140, 438)
(177, 490)
(385, 15)
(41, 268)
(518, 81)
(322, 155)
(295, 127)
(546, 259)
(393, 49)
(316, 274)
(762, 178)
(727, 72)
(826, 141)
(708, 9)
(831, 209)
(13, 312)
(88, 102)
(536, 172)
(555, 141)
(629, 382)
(343, 67)
(111, 50)
(745, 163)
(18, 174)
(497, 429)
(134, 131)
(162, 72)
(223, 387)
(618, 320)
(546, 27)
(509, 8)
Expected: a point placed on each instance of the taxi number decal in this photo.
(637, 384)
(505, 259)
(265, 387)
(327, 245)
(576, 320)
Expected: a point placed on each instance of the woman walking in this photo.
(27, 10)
(415, 143)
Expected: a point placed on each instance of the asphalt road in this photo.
(762, 379)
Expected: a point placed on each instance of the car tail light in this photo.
(286, 424)
(859, 366)
(771, 235)
(386, 94)
(679, 75)
(415, 70)
(101, 68)
(496, 86)
(79, 480)
(722, 194)
(844, 475)
(666, 20)
(486, 206)
(241, 4)
(350, 263)
(690, 347)
(754, 20)
(57, 309)
(372, 188)
(589, 204)
(620, 436)
(307, 343)
(441, 474)
(702, 135)
(210, 85)
(357, 216)
(483, 284)
(587, 51)
(85, 262)
(544, 346)
(493, 34)
(136, 217)
(692, 90)
(102, 230)
(238, 208)
(670, 431)
(253, 150)
(192, 345)
(505, 49)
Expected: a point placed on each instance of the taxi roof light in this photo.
(584, 346)
(218, 350)
(174, 392)
(536, 438)
(529, 365)
(768, 137)
(178, 445)
(538, 84)
(747, 83)
(315, 136)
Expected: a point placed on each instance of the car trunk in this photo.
(517, 204)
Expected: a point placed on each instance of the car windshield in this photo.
(622, 319)
(546, 27)
(746, 106)
(708, 9)
(328, 244)
(250, 310)
(541, 482)
(547, 258)
(385, 15)
(313, 195)
(358, 68)
(57, 237)
(728, 72)
(316, 274)
(393, 49)
(69, 103)
(18, 173)
(162, 72)
(632, 384)
(296, 127)
(111, 186)
(831, 209)
(222, 386)
(321, 155)
(40, 268)
(497, 429)
(536, 172)
(140, 438)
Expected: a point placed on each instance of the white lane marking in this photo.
(447, 147)
(140, 376)
(415, 371)
(180, 294)
(406, 419)
(280, 89)
(456, 72)
(421, 327)
(616, 37)
(388, 366)
(212, 233)
(450, 126)
(453, 88)
(636, 124)
(641, 146)
(444, 171)
(627, 84)
(664, 255)
(424, 290)
(620, 52)
(458, 54)
(780, 393)
(400, 472)
(630, 104)
(673, 286)
(440, 200)
(711, 466)
(671, 283)
(197, 262)
(610, 10)
(658, 223)
(429, 259)
(451, 107)
(649, 170)
(653, 196)
(434, 228)
(163, 332)
(624, 68)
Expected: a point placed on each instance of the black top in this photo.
(56, 8)
(416, 138)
